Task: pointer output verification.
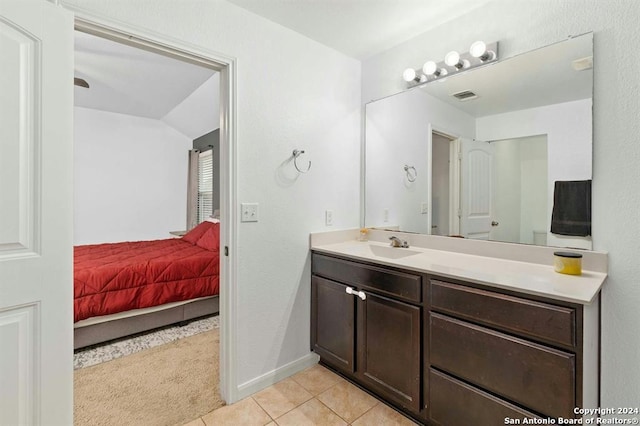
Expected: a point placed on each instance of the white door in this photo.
(36, 194)
(476, 170)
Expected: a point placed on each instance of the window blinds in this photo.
(205, 185)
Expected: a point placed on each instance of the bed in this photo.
(126, 288)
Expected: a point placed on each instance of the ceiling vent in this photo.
(465, 95)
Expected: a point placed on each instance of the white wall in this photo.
(398, 131)
(291, 93)
(569, 142)
(527, 24)
(130, 178)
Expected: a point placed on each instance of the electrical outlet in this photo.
(385, 215)
(249, 212)
(328, 217)
(424, 207)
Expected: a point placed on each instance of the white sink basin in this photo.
(392, 252)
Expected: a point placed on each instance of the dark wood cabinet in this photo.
(456, 403)
(527, 373)
(445, 351)
(502, 351)
(333, 323)
(387, 337)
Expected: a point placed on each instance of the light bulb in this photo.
(409, 75)
(429, 68)
(452, 59)
(479, 50)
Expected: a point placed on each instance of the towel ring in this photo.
(297, 153)
(411, 177)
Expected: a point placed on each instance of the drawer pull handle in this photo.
(360, 294)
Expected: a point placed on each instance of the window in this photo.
(199, 187)
(205, 185)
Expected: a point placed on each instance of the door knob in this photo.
(494, 223)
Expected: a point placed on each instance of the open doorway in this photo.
(147, 135)
(444, 184)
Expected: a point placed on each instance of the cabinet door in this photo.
(389, 349)
(332, 323)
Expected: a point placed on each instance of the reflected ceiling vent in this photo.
(465, 95)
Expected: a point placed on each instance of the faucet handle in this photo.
(397, 242)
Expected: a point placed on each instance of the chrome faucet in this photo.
(397, 242)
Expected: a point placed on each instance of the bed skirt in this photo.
(99, 332)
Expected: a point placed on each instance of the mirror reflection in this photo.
(484, 164)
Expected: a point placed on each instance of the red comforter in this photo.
(111, 278)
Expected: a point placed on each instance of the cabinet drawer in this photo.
(399, 284)
(455, 403)
(527, 373)
(542, 321)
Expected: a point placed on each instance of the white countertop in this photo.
(525, 277)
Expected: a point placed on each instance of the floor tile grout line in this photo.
(378, 402)
(274, 418)
(334, 412)
(309, 390)
(263, 409)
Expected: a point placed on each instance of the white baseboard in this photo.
(261, 382)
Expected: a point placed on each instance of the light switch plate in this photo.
(249, 212)
(328, 217)
(424, 207)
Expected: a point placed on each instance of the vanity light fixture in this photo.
(480, 53)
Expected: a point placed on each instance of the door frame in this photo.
(226, 66)
(454, 176)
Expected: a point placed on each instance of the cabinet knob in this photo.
(494, 223)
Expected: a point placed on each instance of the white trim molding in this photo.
(274, 376)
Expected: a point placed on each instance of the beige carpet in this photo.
(170, 384)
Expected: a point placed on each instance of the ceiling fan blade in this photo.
(80, 82)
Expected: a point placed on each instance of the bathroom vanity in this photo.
(455, 338)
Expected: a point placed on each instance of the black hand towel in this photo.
(572, 208)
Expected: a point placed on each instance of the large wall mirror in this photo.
(484, 166)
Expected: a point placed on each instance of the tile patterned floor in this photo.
(97, 355)
(315, 396)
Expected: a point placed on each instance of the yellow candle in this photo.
(566, 262)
